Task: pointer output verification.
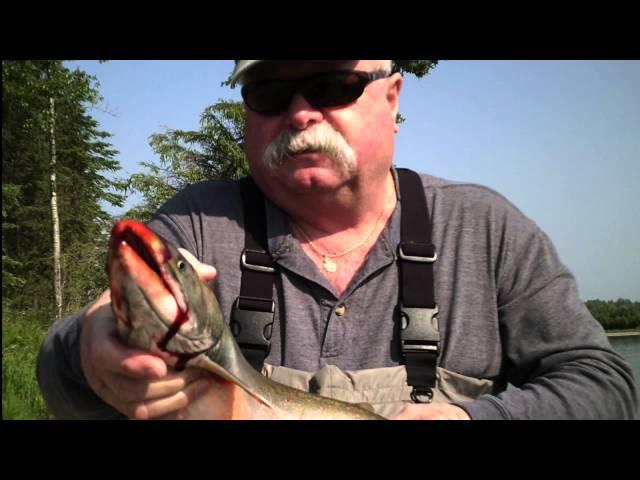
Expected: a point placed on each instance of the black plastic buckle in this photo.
(419, 329)
(419, 339)
(252, 328)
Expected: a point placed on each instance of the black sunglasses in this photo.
(321, 90)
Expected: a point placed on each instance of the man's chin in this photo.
(314, 178)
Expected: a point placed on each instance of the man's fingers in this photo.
(432, 411)
(105, 352)
(405, 414)
(172, 405)
(140, 364)
(137, 391)
(130, 396)
(111, 355)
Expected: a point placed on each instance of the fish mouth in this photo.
(139, 257)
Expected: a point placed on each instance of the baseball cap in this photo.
(241, 67)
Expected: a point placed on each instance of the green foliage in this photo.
(186, 157)
(619, 314)
(22, 336)
(10, 280)
(83, 156)
(419, 68)
(85, 274)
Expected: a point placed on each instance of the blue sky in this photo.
(559, 139)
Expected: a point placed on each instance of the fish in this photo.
(163, 307)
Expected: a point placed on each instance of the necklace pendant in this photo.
(329, 265)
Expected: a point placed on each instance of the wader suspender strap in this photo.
(416, 255)
(254, 310)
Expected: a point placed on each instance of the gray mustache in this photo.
(321, 138)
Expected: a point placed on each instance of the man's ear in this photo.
(393, 93)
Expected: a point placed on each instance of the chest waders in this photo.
(254, 310)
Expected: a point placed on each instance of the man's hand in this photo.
(134, 382)
(432, 411)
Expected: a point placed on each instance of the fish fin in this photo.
(205, 362)
(366, 406)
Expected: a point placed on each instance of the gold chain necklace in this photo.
(328, 264)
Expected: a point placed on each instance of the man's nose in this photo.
(301, 114)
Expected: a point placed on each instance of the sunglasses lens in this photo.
(268, 98)
(273, 97)
(333, 90)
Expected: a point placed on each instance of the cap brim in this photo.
(241, 68)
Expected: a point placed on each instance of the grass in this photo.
(623, 330)
(22, 336)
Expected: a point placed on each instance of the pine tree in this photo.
(82, 156)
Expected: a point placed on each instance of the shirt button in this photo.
(340, 310)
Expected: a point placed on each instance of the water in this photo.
(629, 348)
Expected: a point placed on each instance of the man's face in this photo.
(317, 147)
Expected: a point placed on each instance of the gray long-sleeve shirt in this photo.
(508, 308)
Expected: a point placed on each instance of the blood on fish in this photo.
(181, 319)
(183, 358)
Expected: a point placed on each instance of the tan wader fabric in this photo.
(385, 389)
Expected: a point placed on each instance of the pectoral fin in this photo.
(206, 363)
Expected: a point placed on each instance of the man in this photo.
(319, 139)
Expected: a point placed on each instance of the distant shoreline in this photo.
(623, 334)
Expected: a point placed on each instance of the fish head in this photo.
(160, 303)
